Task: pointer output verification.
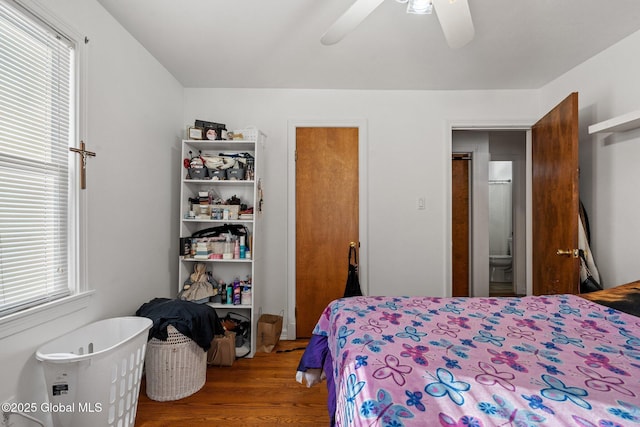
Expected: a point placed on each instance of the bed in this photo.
(559, 360)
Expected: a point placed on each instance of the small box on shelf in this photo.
(245, 134)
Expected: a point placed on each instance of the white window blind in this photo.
(36, 115)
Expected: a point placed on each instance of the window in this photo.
(37, 126)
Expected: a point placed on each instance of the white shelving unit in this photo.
(622, 123)
(250, 193)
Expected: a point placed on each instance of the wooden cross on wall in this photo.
(83, 163)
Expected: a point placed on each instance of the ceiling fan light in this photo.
(420, 7)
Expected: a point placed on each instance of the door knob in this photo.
(568, 252)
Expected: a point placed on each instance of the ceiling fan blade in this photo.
(455, 20)
(349, 20)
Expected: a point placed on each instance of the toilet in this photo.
(501, 266)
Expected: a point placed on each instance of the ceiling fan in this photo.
(454, 17)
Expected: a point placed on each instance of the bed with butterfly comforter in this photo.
(559, 360)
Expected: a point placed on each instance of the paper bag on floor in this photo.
(269, 329)
(223, 350)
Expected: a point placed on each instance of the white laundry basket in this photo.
(93, 373)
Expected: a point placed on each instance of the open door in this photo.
(460, 226)
(555, 200)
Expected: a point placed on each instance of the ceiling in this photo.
(518, 44)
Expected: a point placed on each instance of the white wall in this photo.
(409, 156)
(134, 125)
(609, 175)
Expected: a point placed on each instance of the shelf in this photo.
(229, 306)
(617, 124)
(220, 221)
(221, 145)
(241, 260)
(246, 190)
(219, 181)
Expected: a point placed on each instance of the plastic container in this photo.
(237, 174)
(93, 374)
(218, 174)
(198, 173)
(248, 134)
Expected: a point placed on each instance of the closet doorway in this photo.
(327, 218)
(551, 203)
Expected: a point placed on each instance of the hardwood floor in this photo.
(497, 289)
(253, 392)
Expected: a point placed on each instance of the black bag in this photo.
(235, 229)
(589, 284)
(353, 283)
(241, 325)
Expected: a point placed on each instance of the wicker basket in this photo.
(175, 368)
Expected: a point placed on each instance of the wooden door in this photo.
(460, 224)
(555, 200)
(326, 218)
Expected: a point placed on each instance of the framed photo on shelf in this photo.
(212, 133)
(195, 133)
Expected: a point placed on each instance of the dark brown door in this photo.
(326, 218)
(555, 200)
(460, 224)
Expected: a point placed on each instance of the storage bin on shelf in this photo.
(198, 173)
(236, 174)
(94, 372)
(175, 368)
(248, 134)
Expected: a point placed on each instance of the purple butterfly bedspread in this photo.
(532, 361)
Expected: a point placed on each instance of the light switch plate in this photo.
(421, 203)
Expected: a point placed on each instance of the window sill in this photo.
(30, 318)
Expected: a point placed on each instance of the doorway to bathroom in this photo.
(545, 198)
(497, 206)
